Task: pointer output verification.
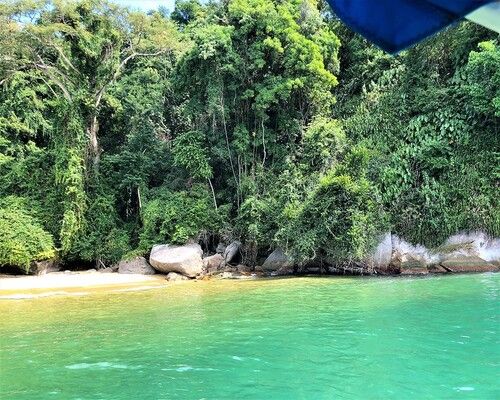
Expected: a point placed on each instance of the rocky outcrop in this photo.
(277, 261)
(232, 252)
(469, 252)
(476, 244)
(213, 263)
(44, 267)
(244, 269)
(405, 255)
(436, 269)
(458, 263)
(175, 277)
(138, 265)
(413, 266)
(381, 257)
(220, 248)
(185, 260)
(466, 252)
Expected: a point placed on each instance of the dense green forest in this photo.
(265, 121)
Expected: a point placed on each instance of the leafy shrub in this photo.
(189, 153)
(22, 237)
(482, 74)
(338, 222)
(323, 142)
(176, 217)
(102, 239)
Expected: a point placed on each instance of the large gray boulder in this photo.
(185, 260)
(138, 265)
(277, 261)
(231, 252)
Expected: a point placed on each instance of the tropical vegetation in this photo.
(265, 121)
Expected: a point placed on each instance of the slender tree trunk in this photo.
(94, 149)
(139, 200)
(263, 144)
(223, 109)
(213, 192)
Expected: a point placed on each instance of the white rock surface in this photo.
(185, 260)
(474, 244)
(381, 257)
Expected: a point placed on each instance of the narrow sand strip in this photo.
(81, 280)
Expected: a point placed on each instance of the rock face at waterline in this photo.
(469, 252)
(137, 265)
(382, 256)
(185, 260)
(472, 244)
(277, 261)
(413, 266)
(467, 264)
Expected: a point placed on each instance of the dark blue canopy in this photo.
(396, 24)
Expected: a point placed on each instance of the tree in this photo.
(79, 50)
(257, 74)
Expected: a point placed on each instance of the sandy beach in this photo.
(22, 286)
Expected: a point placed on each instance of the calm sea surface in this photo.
(301, 338)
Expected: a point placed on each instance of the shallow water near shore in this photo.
(299, 338)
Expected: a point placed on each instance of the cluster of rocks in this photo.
(393, 256)
(469, 252)
(187, 262)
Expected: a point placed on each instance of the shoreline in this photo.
(73, 283)
(82, 283)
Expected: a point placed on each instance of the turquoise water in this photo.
(303, 338)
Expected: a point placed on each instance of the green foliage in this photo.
(103, 238)
(69, 177)
(337, 222)
(241, 119)
(324, 142)
(253, 79)
(22, 238)
(187, 11)
(189, 153)
(429, 118)
(176, 217)
(482, 79)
